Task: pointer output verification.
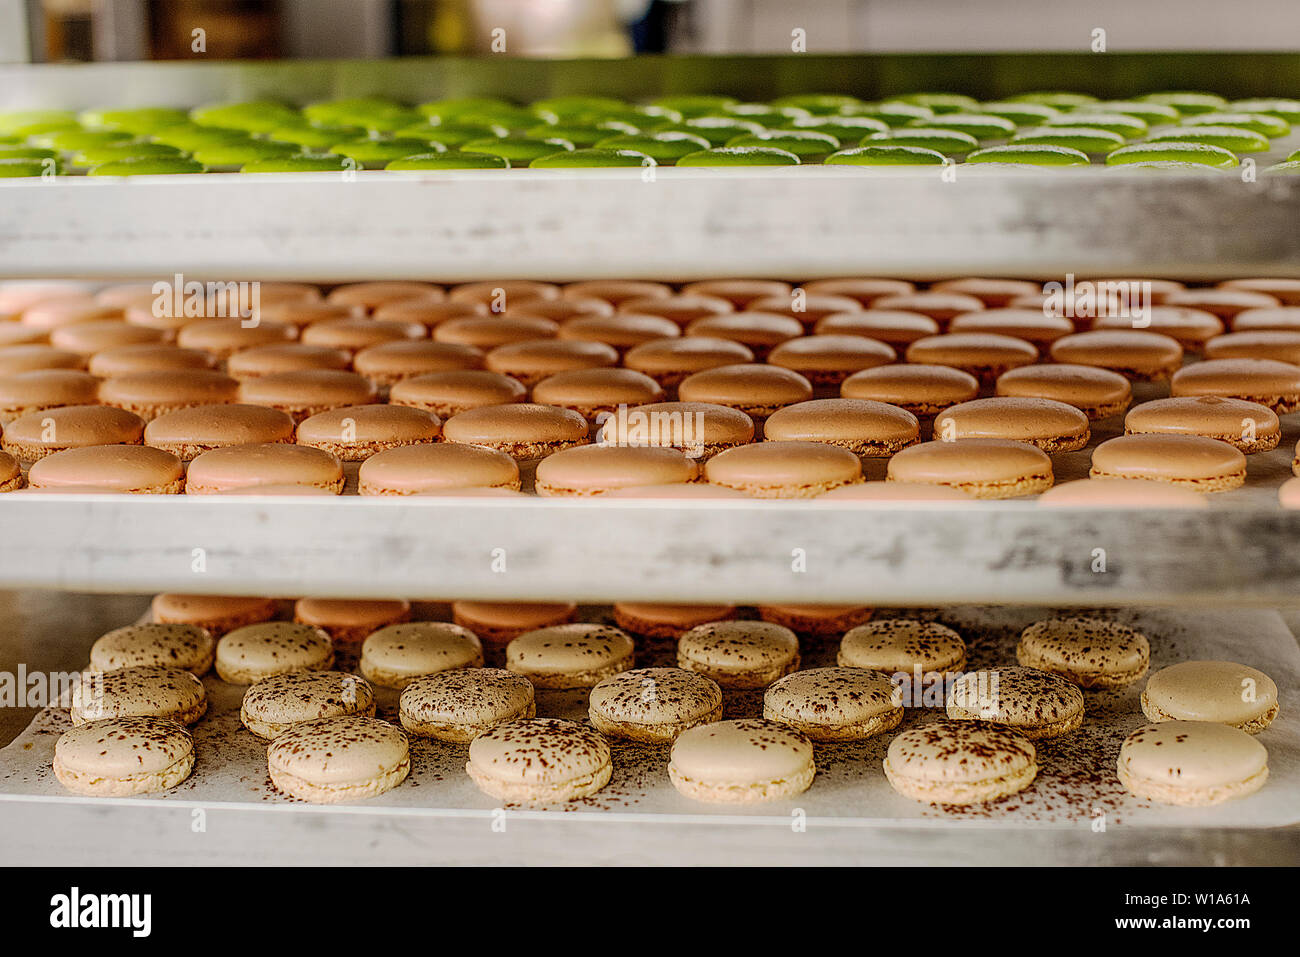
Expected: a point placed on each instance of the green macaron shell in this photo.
(1152, 114)
(664, 148)
(1187, 102)
(1121, 124)
(254, 116)
(940, 103)
(451, 108)
(891, 114)
(1289, 168)
(1285, 109)
(1057, 99)
(1202, 153)
(810, 146)
(136, 149)
(513, 118)
(449, 160)
(141, 121)
(450, 134)
(982, 126)
(718, 129)
(769, 117)
(1083, 139)
(1021, 114)
(379, 153)
(591, 159)
(1234, 138)
(148, 166)
(303, 163)
(13, 121)
(886, 156)
(519, 150)
(1265, 124)
(23, 168)
(582, 137)
(819, 104)
(73, 141)
(190, 137)
(846, 129)
(23, 151)
(577, 105)
(947, 142)
(368, 113)
(1294, 156)
(691, 105)
(740, 156)
(306, 136)
(233, 156)
(1030, 155)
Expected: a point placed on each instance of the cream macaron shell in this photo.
(570, 656)
(170, 645)
(834, 704)
(539, 760)
(253, 653)
(333, 760)
(960, 762)
(117, 757)
(903, 645)
(393, 657)
(458, 705)
(142, 690)
(653, 705)
(1191, 763)
(1223, 692)
(1034, 703)
(272, 707)
(1089, 652)
(739, 654)
(741, 762)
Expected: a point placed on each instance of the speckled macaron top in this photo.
(742, 752)
(339, 751)
(123, 747)
(959, 752)
(561, 649)
(173, 645)
(656, 696)
(143, 689)
(307, 695)
(275, 646)
(892, 645)
(739, 645)
(420, 648)
(1015, 696)
(539, 751)
(1224, 692)
(1187, 755)
(469, 696)
(1084, 649)
(831, 696)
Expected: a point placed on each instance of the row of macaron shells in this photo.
(348, 327)
(1038, 699)
(1041, 129)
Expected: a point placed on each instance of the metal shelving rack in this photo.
(800, 224)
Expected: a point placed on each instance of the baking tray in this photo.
(1075, 793)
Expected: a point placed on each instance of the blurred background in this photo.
(83, 30)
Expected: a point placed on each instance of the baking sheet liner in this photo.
(1076, 786)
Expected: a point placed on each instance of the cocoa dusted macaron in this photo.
(891, 326)
(596, 469)
(1136, 355)
(739, 292)
(123, 360)
(756, 390)
(1097, 393)
(41, 389)
(865, 290)
(531, 362)
(1191, 327)
(448, 393)
(682, 309)
(596, 393)
(617, 291)
(441, 467)
(1191, 461)
(700, 429)
(1046, 424)
(942, 307)
(865, 428)
(224, 337)
(525, 431)
(96, 335)
(994, 293)
(1248, 426)
(353, 334)
(760, 332)
(784, 469)
(33, 436)
(32, 357)
(827, 360)
(739, 654)
(151, 394)
(354, 433)
(982, 468)
(243, 467)
(923, 390)
(390, 362)
(1280, 344)
(1266, 381)
(290, 357)
(188, 433)
(985, 355)
(132, 469)
(372, 295)
(622, 331)
(670, 361)
(306, 392)
(1031, 325)
(489, 332)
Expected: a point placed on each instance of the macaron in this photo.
(304, 392)
(457, 706)
(741, 762)
(169, 645)
(151, 394)
(1035, 704)
(893, 327)
(499, 623)
(758, 331)
(254, 653)
(445, 394)
(865, 290)
(303, 313)
(1193, 328)
(1097, 393)
(142, 690)
(32, 357)
(387, 363)
(623, 331)
(739, 292)
(429, 311)
(1110, 493)
(1223, 692)
(1281, 344)
(923, 390)
(739, 654)
(63, 309)
(215, 614)
(492, 331)
(740, 156)
(1224, 303)
(660, 620)
(502, 294)
(129, 469)
(1284, 289)
(671, 361)
(831, 705)
(960, 762)
(1046, 424)
(817, 621)
(1089, 652)
(694, 491)
(1191, 763)
(87, 338)
(826, 360)
(591, 392)
(1266, 381)
(118, 757)
(570, 655)
(354, 333)
(784, 469)
(224, 337)
(337, 760)
(699, 429)
(354, 433)
(26, 392)
(242, 467)
(525, 431)
(902, 645)
(430, 469)
(539, 761)
(1137, 355)
(616, 291)
(1288, 493)
(37, 434)
(394, 656)
(1031, 325)
(653, 705)
(1248, 426)
(895, 492)
(942, 307)
(188, 433)
(596, 469)
(532, 361)
(1191, 461)
(981, 467)
(809, 309)
(984, 355)
(280, 703)
(289, 357)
